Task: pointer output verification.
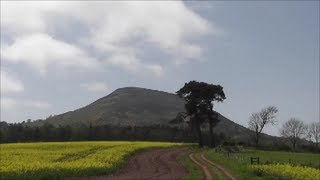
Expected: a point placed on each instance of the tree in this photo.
(199, 97)
(259, 120)
(313, 132)
(213, 121)
(293, 130)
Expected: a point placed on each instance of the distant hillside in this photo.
(126, 106)
(138, 107)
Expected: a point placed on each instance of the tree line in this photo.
(293, 130)
(22, 132)
(25, 132)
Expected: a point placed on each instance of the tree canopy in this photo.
(199, 98)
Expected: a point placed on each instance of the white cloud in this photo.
(130, 63)
(113, 28)
(10, 84)
(168, 25)
(7, 103)
(95, 87)
(41, 51)
(24, 17)
(36, 104)
(155, 68)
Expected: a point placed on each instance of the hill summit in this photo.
(126, 106)
(136, 107)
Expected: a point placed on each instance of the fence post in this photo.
(254, 160)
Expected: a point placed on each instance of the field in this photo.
(288, 163)
(57, 160)
(304, 159)
(71, 159)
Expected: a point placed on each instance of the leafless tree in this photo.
(313, 132)
(293, 130)
(258, 121)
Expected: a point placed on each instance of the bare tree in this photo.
(313, 132)
(258, 121)
(293, 130)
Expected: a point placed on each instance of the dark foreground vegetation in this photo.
(20, 132)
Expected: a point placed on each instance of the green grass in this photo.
(239, 163)
(66, 159)
(238, 168)
(194, 171)
(303, 159)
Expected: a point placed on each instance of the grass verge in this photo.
(194, 172)
(239, 169)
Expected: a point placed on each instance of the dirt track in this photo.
(157, 164)
(162, 164)
(210, 169)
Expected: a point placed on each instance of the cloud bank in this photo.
(40, 51)
(47, 37)
(113, 29)
(10, 84)
(95, 87)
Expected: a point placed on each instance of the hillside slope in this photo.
(126, 106)
(132, 106)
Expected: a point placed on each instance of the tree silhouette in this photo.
(293, 130)
(258, 121)
(199, 98)
(313, 132)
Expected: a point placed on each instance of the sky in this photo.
(58, 56)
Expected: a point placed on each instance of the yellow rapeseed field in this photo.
(287, 171)
(58, 160)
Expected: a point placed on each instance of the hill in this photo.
(128, 106)
(140, 107)
(131, 113)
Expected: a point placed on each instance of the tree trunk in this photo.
(294, 145)
(198, 129)
(257, 140)
(212, 143)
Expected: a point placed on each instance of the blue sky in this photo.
(59, 56)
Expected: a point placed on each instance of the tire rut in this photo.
(205, 170)
(222, 169)
(209, 168)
